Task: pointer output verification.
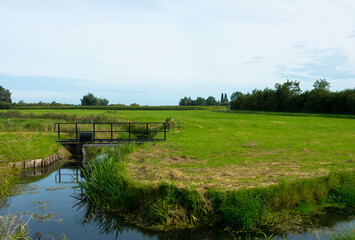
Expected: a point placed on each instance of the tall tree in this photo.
(211, 101)
(5, 95)
(200, 101)
(89, 100)
(321, 84)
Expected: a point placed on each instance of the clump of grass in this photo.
(175, 123)
(12, 227)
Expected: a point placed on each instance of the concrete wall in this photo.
(37, 163)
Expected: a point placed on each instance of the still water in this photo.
(48, 197)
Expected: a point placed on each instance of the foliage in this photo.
(287, 97)
(224, 100)
(5, 95)
(211, 101)
(5, 98)
(122, 107)
(200, 101)
(91, 100)
(21, 104)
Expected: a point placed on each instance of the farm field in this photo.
(233, 169)
(211, 149)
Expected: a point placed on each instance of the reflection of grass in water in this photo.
(346, 235)
(41, 204)
(55, 189)
(47, 217)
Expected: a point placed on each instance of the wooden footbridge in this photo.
(77, 136)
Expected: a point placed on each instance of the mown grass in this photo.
(107, 186)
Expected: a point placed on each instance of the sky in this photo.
(154, 52)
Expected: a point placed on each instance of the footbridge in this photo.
(75, 137)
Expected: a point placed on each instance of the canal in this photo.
(48, 196)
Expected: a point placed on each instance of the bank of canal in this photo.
(50, 200)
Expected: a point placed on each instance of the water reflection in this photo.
(49, 192)
(115, 225)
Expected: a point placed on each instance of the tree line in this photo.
(200, 101)
(288, 97)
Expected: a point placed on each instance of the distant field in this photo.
(234, 150)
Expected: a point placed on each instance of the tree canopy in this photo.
(5, 98)
(288, 97)
(5, 95)
(91, 100)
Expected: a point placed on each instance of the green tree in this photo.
(224, 100)
(102, 102)
(321, 84)
(5, 95)
(185, 101)
(200, 101)
(5, 98)
(89, 100)
(211, 101)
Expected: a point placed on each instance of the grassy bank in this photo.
(108, 186)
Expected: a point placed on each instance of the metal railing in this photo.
(112, 132)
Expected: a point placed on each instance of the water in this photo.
(48, 196)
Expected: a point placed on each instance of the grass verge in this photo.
(163, 206)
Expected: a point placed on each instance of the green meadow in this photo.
(206, 148)
(249, 168)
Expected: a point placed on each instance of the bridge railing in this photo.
(110, 132)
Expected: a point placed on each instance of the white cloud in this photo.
(162, 45)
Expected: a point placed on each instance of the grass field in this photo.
(212, 164)
(211, 149)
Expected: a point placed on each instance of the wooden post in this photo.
(93, 128)
(129, 131)
(111, 132)
(164, 131)
(76, 131)
(147, 132)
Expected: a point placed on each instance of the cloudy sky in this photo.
(154, 52)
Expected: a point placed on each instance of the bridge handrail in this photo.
(130, 131)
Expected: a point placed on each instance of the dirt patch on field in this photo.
(250, 145)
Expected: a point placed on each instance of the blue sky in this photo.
(156, 52)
